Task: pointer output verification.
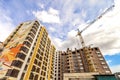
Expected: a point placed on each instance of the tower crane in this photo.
(91, 68)
(80, 32)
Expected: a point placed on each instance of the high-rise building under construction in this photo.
(27, 54)
(76, 61)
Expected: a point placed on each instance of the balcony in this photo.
(24, 49)
(29, 39)
(21, 56)
(17, 63)
(12, 72)
(32, 35)
(27, 43)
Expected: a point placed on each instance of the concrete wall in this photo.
(79, 76)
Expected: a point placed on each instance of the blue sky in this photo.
(63, 17)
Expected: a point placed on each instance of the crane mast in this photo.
(81, 38)
(89, 59)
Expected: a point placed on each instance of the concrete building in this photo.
(56, 59)
(80, 76)
(78, 62)
(117, 75)
(89, 76)
(28, 54)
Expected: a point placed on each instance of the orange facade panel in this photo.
(12, 47)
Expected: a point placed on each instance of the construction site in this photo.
(28, 54)
(86, 63)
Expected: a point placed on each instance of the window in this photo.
(44, 74)
(97, 52)
(39, 63)
(37, 56)
(33, 30)
(78, 57)
(24, 49)
(29, 39)
(43, 78)
(25, 67)
(99, 55)
(35, 27)
(41, 72)
(21, 56)
(17, 63)
(96, 48)
(27, 44)
(9, 72)
(40, 78)
(33, 68)
(107, 71)
(31, 76)
(28, 60)
(40, 57)
(81, 67)
(101, 58)
(42, 53)
(35, 61)
(105, 67)
(36, 77)
(12, 72)
(22, 76)
(102, 62)
(81, 64)
(38, 70)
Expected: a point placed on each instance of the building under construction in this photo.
(78, 62)
(27, 54)
(85, 60)
(84, 63)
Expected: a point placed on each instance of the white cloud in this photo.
(57, 42)
(93, 1)
(104, 33)
(41, 5)
(71, 41)
(50, 16)
(6, 25)
(109, 61)
(96, 2)
(76, 22)
(5, 30)
(115, 68)
(83, 13)
(28, 12)
(68, 8)
(53, 11)
(52, 29)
